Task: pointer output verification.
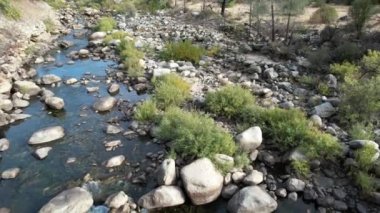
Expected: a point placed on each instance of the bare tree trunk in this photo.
(287, 28)
(204, 5)
(273, 27)
(250, 14)
(223, 7)
(184, 6)
(175, 3)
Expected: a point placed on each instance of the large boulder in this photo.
(202, 181)
(46, 135)
(105, 104)
(27, 87)
(163, 196)
(166, 174)
(250, 139)
(5, 86)
(50, 79)
(75, 200)
(252, 199)
(324, 110)
(295, 185)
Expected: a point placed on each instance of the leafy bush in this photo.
(106, 24)
(301, 167)
(324, 15)
(323, 89)
(319, 59)
(132, 57)
(241, 160)
(171, 90)
(360, 101)
(57, 4)
(194, 134)
(365, 181)
(346, 71)
(183, 50)
(361, 11)
(119, 35)
(153, 5)
(8, 10)
(319, 145)
(213, 51)
(49, 25)
(364, 157)
(229, 101)
(360, 131)
(347, 51)
(370, 63)
(134, 67)
(146, 111)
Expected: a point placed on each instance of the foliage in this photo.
(49, 25)
(360, 131)
(171, 90)
(319, 59)
(229, 101)
(134, 67)
(347, 51)
(213, 51)
(146, 111)
(183, 50)
(346, 71)
(132, 58)
(324, 15)
(361, 11)
(118, 35)
(241, 160)
(106, 24)
(370, 63)
(8, 10)
(301, 167)
(152, 5)
(364, 157)
(319, 145)
(57, 4)
(323, 89)
(365, 181)
(360, 101)
(307, 80)
(194, 134)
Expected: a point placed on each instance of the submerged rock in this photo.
(115, 161)
(105, 104)
(163, 196)
(252, 199)
(75, 200)
(10, 173)
(46, 135)
(4, 144)
(202, 182)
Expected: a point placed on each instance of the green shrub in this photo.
(323, 89)
(301, 167)
(194, 134)
(346, 71)
(56, 4)
(360, 101)
(364, 157)
(127, 49)
(106, 24)
(347, 51)
(213, 51)
(8, 10)
(324, 15)
(365, 182)
(360, 131)
(49, 25)
(370, 63)
(134, 67)
(361, 11)
(229, 101)
(119, 35)
(241, 160)
(319, 59)
(153, 5)
(319, 145)
(171, 90)
(307, 80)
(183, 50)
(146, 111)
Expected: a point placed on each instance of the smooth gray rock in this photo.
(50, 79)
(105, 104)
(42, 153)
(46, 135)
(75, 200)
(117, 200)
(166, 173)
(10, 173)
(295, 185)
(229, 190)
(163, 196)
(115, 161)
(27, 87)
(55, 103)
(202, 181)
(250, 139)
(324, 110)
(254, 178)
(252, 199)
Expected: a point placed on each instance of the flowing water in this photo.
(40, 180)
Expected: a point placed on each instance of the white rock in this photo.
(5, 86)
(250, 139)
(166, 173)
(160, 72)
(4, 144)
(163, 196)
(254, 178)
(10, 173)
(115, 161)
(71, 81)
(50, 79)
(55, 103)
(252, 199)
(42, 153)
(295, 185)
(75, 200)
(202, 182)
(105, 104)
(6, 105)
(98, 35)
(27, 87)
(46, 135)
(117, 200)
(114, 88)
(92, 89)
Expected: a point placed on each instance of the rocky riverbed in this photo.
(68, 134)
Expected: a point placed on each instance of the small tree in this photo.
(292, 8)
(223, 7)
(361, 11)
(257, 9)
